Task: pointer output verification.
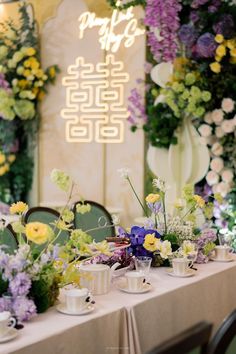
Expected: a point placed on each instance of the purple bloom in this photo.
(3, 304)
(206, 45)
(225, 26)
(20, 284)
(214, 6)
(136, 108)
(24, 308)
(187, 34)
(155, 207)
(194, 17)
(198, 3)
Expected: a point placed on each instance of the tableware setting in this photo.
(181, 267)
(222, 253)
(77, 302)
(7, 330)
(134, 283)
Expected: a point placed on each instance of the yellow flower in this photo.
(150, 242)
(221, 50)
(61, 225)
(232, 60)
(165, 249)
(7, 167)
(2, 158)
(218, 58)
(23, 83)
(30, 51)
(230, 43)
(39, 73)
(219, 38)
(102, 247)
(18, 208)
(215, 67)
(233, 52)
(38, 232)
(188, 248)
(2, 170)
(199, 200)
(34, 65)
(52, 72)
(41, 95)
(179, 203)
(27, 73)
(152, 198)
(27, 64)
(83, 208)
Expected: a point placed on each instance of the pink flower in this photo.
(222, 188)
(227, 105)
(217, 116)
(217, 149)
(205, 130)
(227, 176)
(217, 164)
(208, 118)
(212, 178)
(219, 132)
(228, 125)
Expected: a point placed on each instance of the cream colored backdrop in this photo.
(93, 165)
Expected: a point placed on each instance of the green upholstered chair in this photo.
(98, 216)
(8, 238)
(46, 216)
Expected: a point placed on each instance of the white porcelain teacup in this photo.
(77, 299)
(222, 252)
(181, 265)
(6, 322)
(135, 280)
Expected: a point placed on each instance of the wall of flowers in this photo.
(190, 72)
(23, 85)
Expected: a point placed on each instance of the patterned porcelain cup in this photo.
(6, 322)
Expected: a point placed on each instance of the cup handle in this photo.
(190, 264)
(89, 299)
(12, 322)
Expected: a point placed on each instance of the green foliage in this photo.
(112, 3)
(3, 285)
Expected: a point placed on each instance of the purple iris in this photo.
(206, 45)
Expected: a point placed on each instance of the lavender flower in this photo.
(155, 207)
(214, 6)
(225, 26)
(206, 45)
(194, 17)
(163, 15)
(3, 305)
(20, 284)
(198, 3)
(187, 34)
(136, 108)
(24, 308)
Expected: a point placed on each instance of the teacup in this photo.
(181, 265)
(6, 322)
(77, 299)
(222, 252)
(135, 280)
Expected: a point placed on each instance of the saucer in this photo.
(88, 309)
(229, 259)
(190, 273)
(11, 334)
(122, 285)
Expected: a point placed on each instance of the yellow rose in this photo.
(219, 38)
(150, 242)
(152, 198)
(34, 65)
(30, 51)
(2, 158)
(233, 53)
(37, 232)
(230, 43)
(215, 67)
(199, 200)
(11, 158)
(221, 50)
(18, 208)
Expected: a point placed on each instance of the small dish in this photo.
(11, 334)
(88, 309)
(229, 259)
(190, 273)
(122, 285)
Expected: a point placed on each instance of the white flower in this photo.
(160, 184)
(208, 118)
(223, 188)
(217, 164)
(205, 130)
(217, 149)
(165, 249)
(227, 176)
(227, 105)
(219, 132)
(124, 172)
(161, 73)
(212, 178)
(228, 125)
(188, 248)
(217, 116)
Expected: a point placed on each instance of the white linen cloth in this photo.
(134, 323)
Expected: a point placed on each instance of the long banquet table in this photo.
(133, 323)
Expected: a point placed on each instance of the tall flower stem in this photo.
(141, 204)
(164, 211)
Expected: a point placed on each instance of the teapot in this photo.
(97, 277)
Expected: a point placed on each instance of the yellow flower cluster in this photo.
(224, 47)
(38, 232)
(18, 208)
(152, 198)
(5, 161)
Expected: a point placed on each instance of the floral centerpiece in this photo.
(30, 278)
(164, 234)
(23, 84)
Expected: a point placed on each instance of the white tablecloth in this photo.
(132, 324)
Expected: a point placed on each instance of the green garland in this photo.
(133, 3)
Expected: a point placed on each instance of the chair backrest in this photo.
(195, 337)
(46, 216)
(224, 335)
(98, 215)
(8, 238)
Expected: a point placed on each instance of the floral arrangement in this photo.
(164, 234)
(30, 277)
(190, 71)
(23, 84)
